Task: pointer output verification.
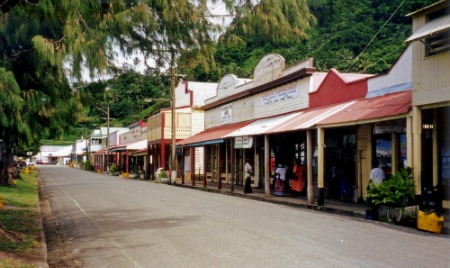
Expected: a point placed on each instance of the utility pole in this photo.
(173, 129)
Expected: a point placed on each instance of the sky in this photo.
(123, 60)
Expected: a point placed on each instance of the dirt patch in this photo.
(59, 253)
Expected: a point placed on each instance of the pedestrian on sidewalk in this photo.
(280, 178)
(248, 177)
(298, 178)
(376, 174)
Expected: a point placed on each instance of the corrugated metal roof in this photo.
(374, 108)
(261, 126)
(309, 118)
(213, 133)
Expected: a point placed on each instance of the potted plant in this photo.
(114, 170)
(393, 200)
(164, 175)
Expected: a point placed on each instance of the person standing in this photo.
(299, 178)
(376, 174)
(248, 177)
(280, 177)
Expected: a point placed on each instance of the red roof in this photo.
(373, 108)
(213, 133)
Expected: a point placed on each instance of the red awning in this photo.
(390, 105)
(212, 135)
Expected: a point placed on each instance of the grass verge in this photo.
(19, 218)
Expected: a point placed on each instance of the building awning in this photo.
(308, 118)
(430, 28)
(134, 146)
(262, 126)
(212, 135)
(372, 109)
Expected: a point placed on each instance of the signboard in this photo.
(243, 142)
(279, 95)
(392, 126)
(226, 114)
(29, 153)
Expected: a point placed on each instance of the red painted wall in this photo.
(334, 89)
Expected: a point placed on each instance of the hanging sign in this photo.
(392, 126)
(243, 142)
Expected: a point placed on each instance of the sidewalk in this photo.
(356, 210)
(330, 206)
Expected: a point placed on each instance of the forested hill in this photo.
(338, 40)
(342, 31)
(363, 36)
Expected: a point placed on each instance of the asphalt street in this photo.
(96, 220)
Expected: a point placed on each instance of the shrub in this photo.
(397, 191)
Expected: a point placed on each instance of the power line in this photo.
(373, 38)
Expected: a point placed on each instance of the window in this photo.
(439, 42)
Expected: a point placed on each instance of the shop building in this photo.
(326, 121)
(430, 42)
(189, 120)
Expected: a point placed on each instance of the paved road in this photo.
(96, 220)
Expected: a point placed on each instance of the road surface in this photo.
(96, 220)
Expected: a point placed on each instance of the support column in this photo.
(266, 166)
(417, 139)
(321, 165)
(192, 162)
(233, 165)
(309, 166)
(395, 153)
(409, 142)
(126, 161)
(435, 149)
(219, 183)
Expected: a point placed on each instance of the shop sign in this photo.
(279, 95)
(393, 126)
(243, 142)
(226, 114)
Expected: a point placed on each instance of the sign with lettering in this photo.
(392, 126)
(226, 114)
(243, 142)
(279, 95)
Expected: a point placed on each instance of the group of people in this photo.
(296, 182)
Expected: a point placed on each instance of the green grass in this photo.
(19, 215)
(25, 194)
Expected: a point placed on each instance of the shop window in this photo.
(383, 153)
(403, 151)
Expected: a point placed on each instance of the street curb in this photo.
(272, 199)
(44, 263)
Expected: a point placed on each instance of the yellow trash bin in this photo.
(26, 170)
(429, 222)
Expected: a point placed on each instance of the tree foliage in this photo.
(338, 37)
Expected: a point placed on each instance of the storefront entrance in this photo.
(340, 164)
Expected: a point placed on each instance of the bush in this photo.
(397, 191)
(114, 170)
(87, 165)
